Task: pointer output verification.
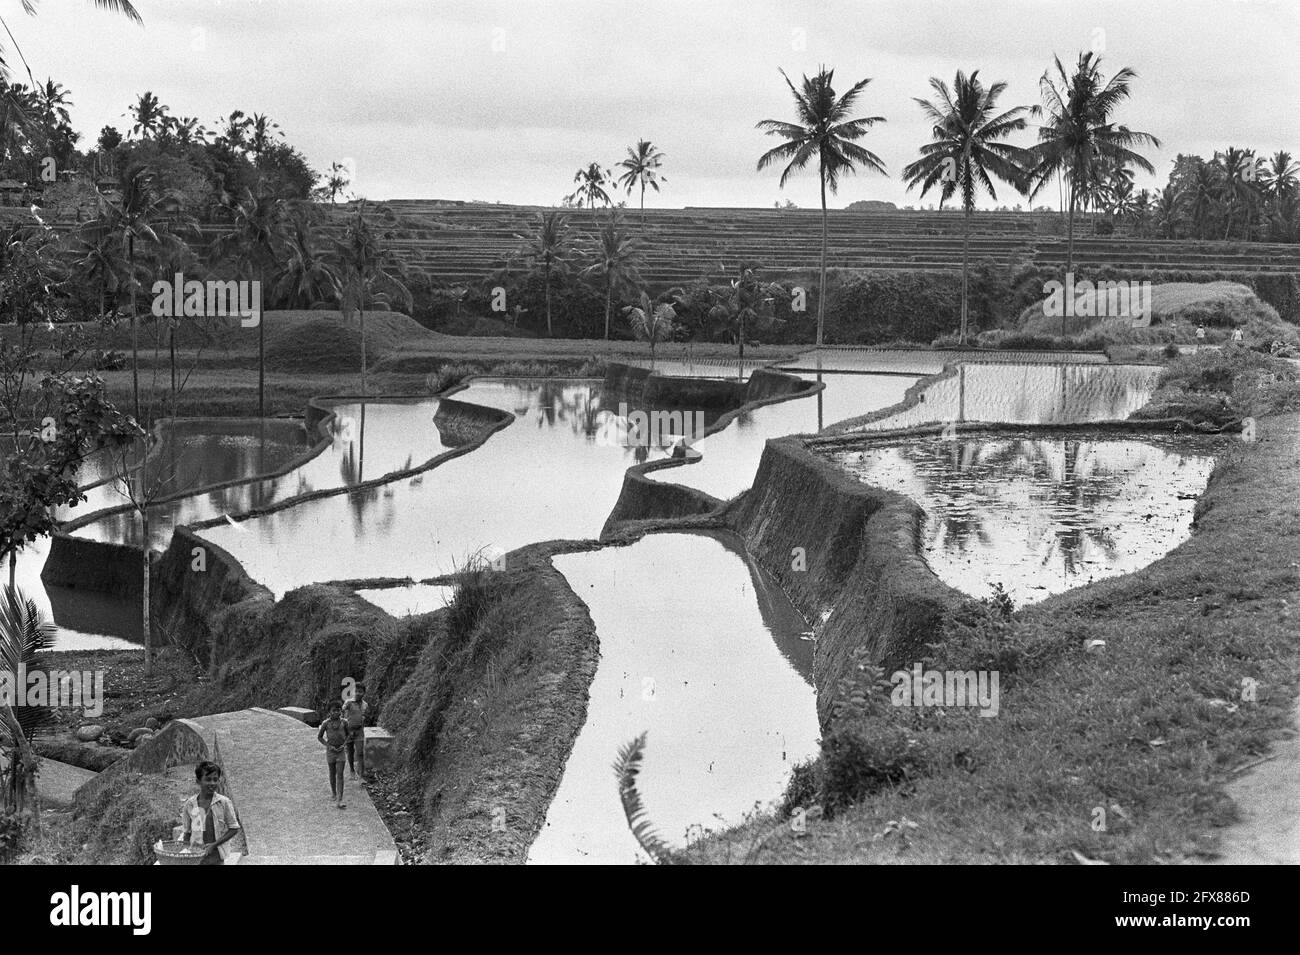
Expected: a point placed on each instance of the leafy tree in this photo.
(24, 635)
(822, 132)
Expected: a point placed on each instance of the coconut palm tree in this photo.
(591, 187)
(123, 7)
(1168, 212)
(17, 111)
(1282, 177)
(304, 277)
(642, 168)
(618, 256)
(651, 322)
(140, 212)
(364, 277)
(822, 132)
(1240, 185)
(550, 248)
(149, 114)
(254, 229)
(966, 153)
(1080, 135)
(262, 133)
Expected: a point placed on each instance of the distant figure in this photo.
(334, 735)
(210, 818)
(355, 711)
(1238, 335)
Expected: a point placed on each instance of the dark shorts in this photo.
(334, 754)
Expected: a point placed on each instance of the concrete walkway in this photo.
(58, 781)
(276, 774)
(1269, 799)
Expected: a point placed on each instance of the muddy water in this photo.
(554, 473)
(1029, 394)
(1041, 516)
(700, 651)
(731, 456)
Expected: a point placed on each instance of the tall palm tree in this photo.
(966, 153)
(255, 227)
(149, 115)
(550, 248)
(642, 168)
(618, 256)
(1282, 177)
(141, 212)
(262, 133)
(824, 132)
(591, 186)
(1079, 134)
(1241, 185)
(364, 277)
(1168, 211)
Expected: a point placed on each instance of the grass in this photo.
(1221, 386)
(1144, 728)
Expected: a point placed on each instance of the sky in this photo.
(504, 101)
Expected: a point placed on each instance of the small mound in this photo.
(1222, 304)
(309, 341)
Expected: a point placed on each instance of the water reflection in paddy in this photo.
(701, 650)
(369, 440)
(1042, 515)
(555, 473)
(1028, 394)
(730, 457)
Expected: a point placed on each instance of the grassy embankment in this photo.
(1177, 310)
(1145, 727)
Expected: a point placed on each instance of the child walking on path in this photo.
(333, 734)
(355, 711)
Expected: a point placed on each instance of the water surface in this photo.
(701, 651)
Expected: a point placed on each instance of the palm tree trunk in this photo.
(171, 346)
(549, 333)
(609, 296)
(135, 333)
(821, 286)
(643, 202)
(965, 276)
(146, 609)
(362, 313)
(1069, 249)
(261, 364)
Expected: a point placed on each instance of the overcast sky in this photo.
(503, 101)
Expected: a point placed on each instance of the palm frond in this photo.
(626, 769)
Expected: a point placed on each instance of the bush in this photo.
(862, 757)
(11, 836)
